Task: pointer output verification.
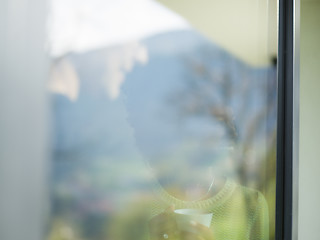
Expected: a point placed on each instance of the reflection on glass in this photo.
(158, 132)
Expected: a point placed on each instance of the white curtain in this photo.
(23, 120)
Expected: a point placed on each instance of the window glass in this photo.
(163, 119)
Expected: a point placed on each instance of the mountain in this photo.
(181, 93)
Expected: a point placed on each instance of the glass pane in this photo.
(163, 119)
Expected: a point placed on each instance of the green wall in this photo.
(309, 181)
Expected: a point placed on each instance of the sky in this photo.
(83, 25)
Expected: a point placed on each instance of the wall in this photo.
(309, 188)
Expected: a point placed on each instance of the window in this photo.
(165, 115)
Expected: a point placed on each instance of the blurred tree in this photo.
(242, 100)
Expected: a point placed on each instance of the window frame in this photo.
(287, 180)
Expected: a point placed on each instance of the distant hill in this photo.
(95, 128)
